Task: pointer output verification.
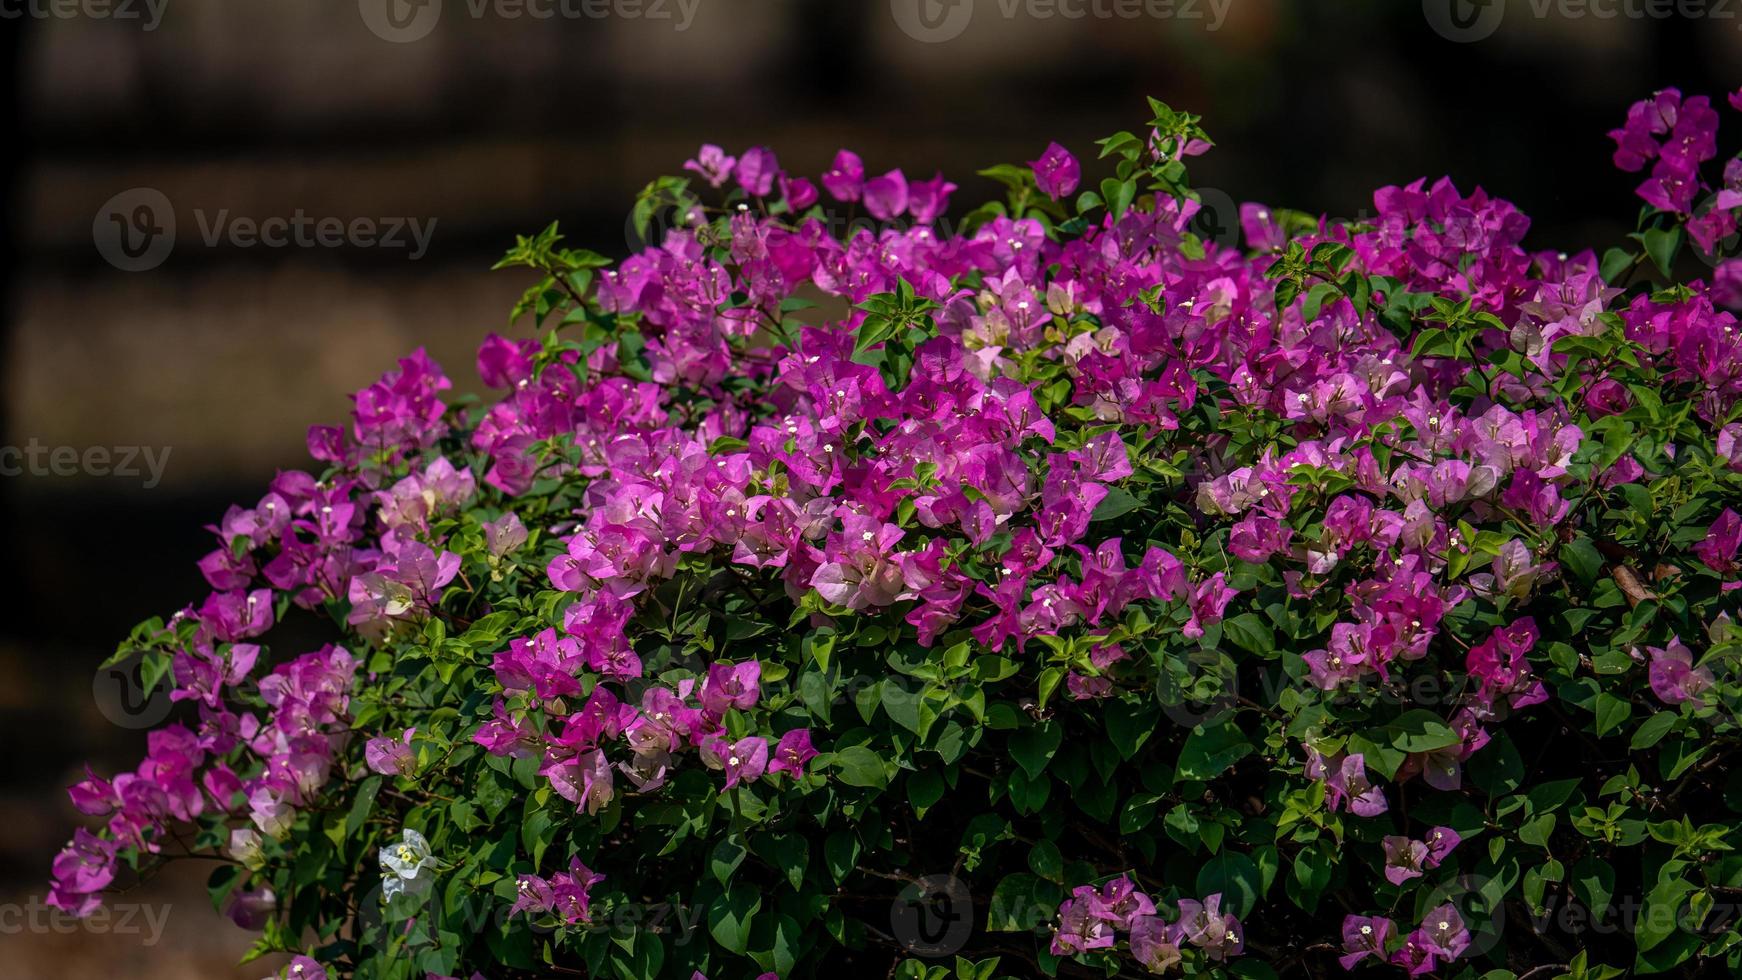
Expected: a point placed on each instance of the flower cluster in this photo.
(1442, 936)
(188, 773)
(1058, 548)
(1092, 917)
(563, 895)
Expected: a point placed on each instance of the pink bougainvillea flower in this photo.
(1261, 227)
(1673, 676)
(1404, 859)
(1443, 933)
(303, 968)
(743, 761)
(1056, 172)
(1151, 946)
(1206, 926)
(730, 686)
(756, 171)
(886, 197)
(845, 179)
(927, 199)
(1080, 929)
(798, 192)
(1346, 784)
(1718, 550)
(1364, 936)
(570, 898)
(392, 757)
(712, 164)
(792, 753)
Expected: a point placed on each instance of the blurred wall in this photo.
(480, 123)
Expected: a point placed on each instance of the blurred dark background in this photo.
(490, 124)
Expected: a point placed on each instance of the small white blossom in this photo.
(406, 867)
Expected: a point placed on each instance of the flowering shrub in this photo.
(1359, 599)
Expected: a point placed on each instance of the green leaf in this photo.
(1611, 712)
(841, 854)
(1129, 725)
(1498, 768)
(1536, 831)
(1593, 881)
(1117, 503)
(1250, 632)
(222, 881)
(537, 830)
(1118, 194)
(1662, 914)
(1420, 730)
(1234, 875)
(1033, 747)
(727, 856)
(901, 701)
(1549, 796)
(783, 947)
(924, 789)
(859, 766)
(790, 853)
(1208, 752)
(1015, 904)
(1581, 557)
(1661, 244)
(1615, 262)
(1045, 860)
(362, 806)
(1653, 729)
(731, 915)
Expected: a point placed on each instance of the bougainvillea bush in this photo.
(840, 589)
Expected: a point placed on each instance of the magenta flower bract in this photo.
(1056, 172)
(1364, 936)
